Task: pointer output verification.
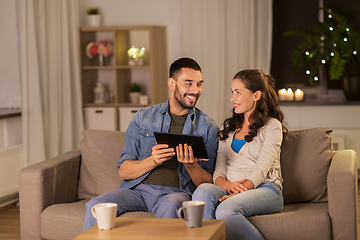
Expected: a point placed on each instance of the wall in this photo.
(9, 68)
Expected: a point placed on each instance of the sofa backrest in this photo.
(305, 160)
(100, 149)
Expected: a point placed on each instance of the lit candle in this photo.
(290, 95)
(299, 95)
(282, 94)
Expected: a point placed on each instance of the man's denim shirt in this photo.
(140, 140)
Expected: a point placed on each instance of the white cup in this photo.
(192, 212)
(105, 214)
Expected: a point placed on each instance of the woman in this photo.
(247, 176)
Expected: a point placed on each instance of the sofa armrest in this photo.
(342, 186)
(43, 184)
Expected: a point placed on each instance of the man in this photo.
(157, 178)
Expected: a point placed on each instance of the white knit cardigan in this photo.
(258, 160)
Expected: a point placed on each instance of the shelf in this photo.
(114, 105)
(114, 67)
(98, 67)
(117, 75)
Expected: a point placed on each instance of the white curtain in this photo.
(50, 78)
(239, 37)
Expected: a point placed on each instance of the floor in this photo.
(10, 221)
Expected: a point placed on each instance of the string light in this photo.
(316, 78)
(354, 52)
(307, 53)
(307, 72)
(330, 16)
(332, 54)
(347, 29)
(345, 39)
(331, 29)
(323, 61)
(334, 45)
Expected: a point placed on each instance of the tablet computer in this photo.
(174, 139)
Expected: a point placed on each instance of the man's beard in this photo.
(181, 99)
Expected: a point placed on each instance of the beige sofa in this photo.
(320, 188)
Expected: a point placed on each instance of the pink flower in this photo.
(93, 50)
(101, 47)
(105, 48)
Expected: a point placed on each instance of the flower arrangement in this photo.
(136, 56)
(104, 48)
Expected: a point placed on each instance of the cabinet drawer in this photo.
(99, 118)
(125, 116)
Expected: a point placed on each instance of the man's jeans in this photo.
(265, 199)
(163, 201)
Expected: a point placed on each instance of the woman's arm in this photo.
(269, 152)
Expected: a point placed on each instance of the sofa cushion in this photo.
(305, 160)
(65, 220)
(100, 149)
(295, 222)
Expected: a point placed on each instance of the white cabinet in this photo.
(100, 118)
(10, 132)
(125, 116)
(344, 120)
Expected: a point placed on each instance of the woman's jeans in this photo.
(267, 198)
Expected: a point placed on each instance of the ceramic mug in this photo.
(192, 212)
(105, 214)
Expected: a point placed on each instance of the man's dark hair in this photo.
(183, 63)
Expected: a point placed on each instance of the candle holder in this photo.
(299, 95)
(287, 95)
(99, 92)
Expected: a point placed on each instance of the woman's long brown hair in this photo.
(267, 106)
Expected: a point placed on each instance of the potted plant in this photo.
(335, 44)
(93, 17)
(134, 92)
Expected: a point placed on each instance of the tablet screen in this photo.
(174, 139)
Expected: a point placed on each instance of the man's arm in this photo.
(198, 175)
(131, 169)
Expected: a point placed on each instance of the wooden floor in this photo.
(10, 221)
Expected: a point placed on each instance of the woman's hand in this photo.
(234, 188)
(225, 197)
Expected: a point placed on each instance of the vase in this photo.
(94, 20)
(351, 87)
(134, 97)
(101, 60)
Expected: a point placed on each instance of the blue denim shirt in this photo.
(140, 140)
